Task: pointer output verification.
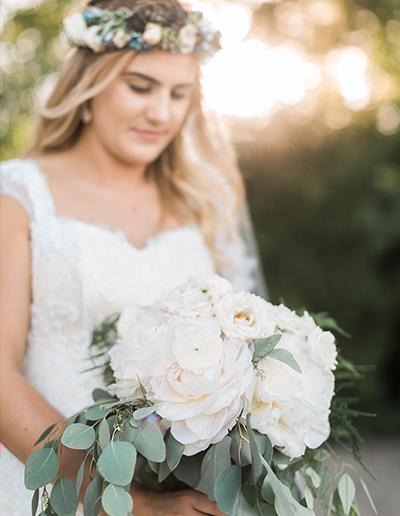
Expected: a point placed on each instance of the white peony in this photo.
(188, 36)
(322, 348)
(120, 38)
(197, 297)
(93, 39)
(292, 408)
(152, 34)
(75, 28)
(246, 316)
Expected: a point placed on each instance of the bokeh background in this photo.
(311, 92)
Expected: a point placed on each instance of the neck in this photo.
(99, 165)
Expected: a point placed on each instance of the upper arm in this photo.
(15, 282)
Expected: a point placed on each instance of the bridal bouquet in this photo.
(207, 388)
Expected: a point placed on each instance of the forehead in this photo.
(165, 67)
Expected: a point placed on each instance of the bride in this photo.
(126, 190)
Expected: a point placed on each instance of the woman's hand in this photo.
(179, 503)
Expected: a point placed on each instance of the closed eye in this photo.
(140, 89)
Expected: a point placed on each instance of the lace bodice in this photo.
(81, 273)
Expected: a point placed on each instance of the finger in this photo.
(204, 505)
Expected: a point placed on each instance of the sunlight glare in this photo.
(251, 79)
(349, 66)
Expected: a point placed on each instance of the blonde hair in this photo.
(197, 173)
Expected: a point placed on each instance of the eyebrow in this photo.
(155, 81)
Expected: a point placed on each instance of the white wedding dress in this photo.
(82, 273)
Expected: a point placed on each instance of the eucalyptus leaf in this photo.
(189, 468)
(35, 502)
(116, 501)
(174, 451)
(257, 468)
(79, 478)
(41, 468)
(78, 436)
(326, 479)
(117, 463)
(285, 504)
(63, 497)
(229, 495)
(92, 499)
(99, 411)
(322, 455)
(45, 434)
(216, 460)
(366, 490)
(283, 355)
(313, 476)
(143, 412)
(240, 446)
(150, 442)
(308, 496)
(263, 347)
(101, 394)
(163, 471)
(104, 436)
(347, 492)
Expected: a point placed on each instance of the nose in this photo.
(159, 110)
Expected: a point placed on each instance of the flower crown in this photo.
(148, 28)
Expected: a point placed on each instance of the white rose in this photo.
(246, 316)
(152, 34)
(138, 320)
(322, 348)
(197, 296)
(198, 345)
(75, 28)
(92, 39)
(120, 38)
(188, 37)
(292, 408)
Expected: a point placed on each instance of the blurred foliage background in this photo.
(311, 90)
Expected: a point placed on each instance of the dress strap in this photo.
(23, 181)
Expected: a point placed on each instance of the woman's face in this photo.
(140, 113)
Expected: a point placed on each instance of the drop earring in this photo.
(86, 115)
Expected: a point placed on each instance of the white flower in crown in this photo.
(188, 37)
(75, 28)
(93, 39)
(120, 38)
(152, 34)
(246, 316)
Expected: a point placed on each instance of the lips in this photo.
(148, 135)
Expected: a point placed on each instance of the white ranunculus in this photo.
(322, 348)
(202, 408)
(292, 408)
(75, 28)
(92, 38)
(188, 37)
(198, 345)
(246, 316)
(120, 38)
(197, 297)
(152, 34)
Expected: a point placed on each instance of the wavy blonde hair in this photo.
(197, 173)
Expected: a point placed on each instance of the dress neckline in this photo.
(119, 234)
